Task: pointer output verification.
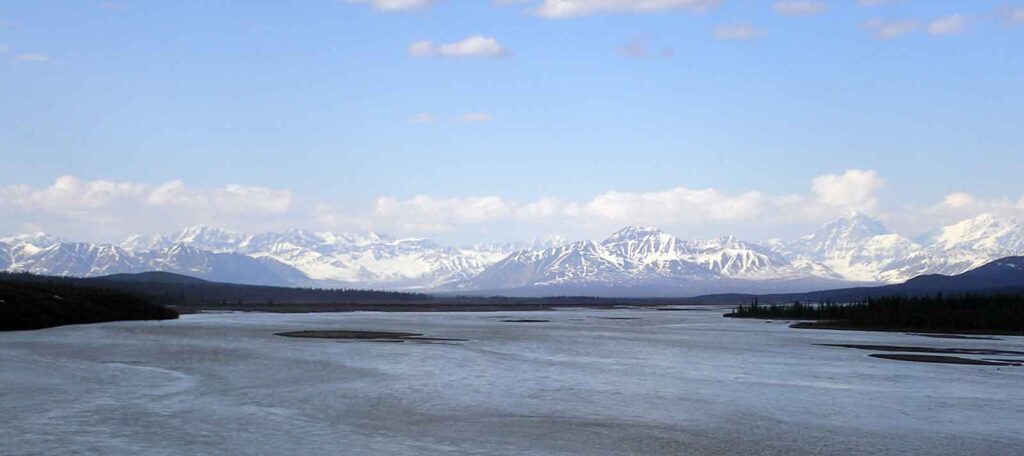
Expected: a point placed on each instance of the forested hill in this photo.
(178, 290)
(44, 304)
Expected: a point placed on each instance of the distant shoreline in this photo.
(525, 306)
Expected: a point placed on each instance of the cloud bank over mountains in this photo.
(100, 210)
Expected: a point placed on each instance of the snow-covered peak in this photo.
(39, 240)
(986, 232)
(633, 233)
(645, 245)
(141, 242)
(842, 234)
(206, 237)
(856, 225)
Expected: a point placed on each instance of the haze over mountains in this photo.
(636, 261)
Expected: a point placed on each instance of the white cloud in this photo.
(799, 8)
(231, 198)
(422, 118)
(476, 117)
(32, 57)
(397, 5)
(854, 189)
(72, 193)
(421, 49)
(90, 209)
(558, 9)
(947, 25)
(740, 32)
(446, 210)
(956, 207)
(832, 195)
(4, 48)
(670, 205)
(959, 199)
(473, 46)
(890, 29)
(71, 205)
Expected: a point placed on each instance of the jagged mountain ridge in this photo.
(638, 257)
(91, 260)
(855, 248)
(292, 258)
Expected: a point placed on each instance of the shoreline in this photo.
(424, 307)
(925, 331)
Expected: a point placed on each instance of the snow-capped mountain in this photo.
(858, 247)
(974, 242)
(6, 259)
(201, 236)
(372, 259)
(653, 250)
(89, 260)
(343, 259)
(855, 248)
(640, 257)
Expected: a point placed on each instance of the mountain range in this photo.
(634, 261)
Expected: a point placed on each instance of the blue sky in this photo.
(314, 105)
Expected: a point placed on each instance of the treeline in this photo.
(36, 305)
(959, 312)
(193, 292)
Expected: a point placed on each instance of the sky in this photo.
(494, 120)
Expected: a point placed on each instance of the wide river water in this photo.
(587, 382)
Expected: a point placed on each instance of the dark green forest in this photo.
(47, 304)
(177, 290)
(186, 294)
(959, 312)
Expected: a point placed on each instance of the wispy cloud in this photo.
(4, 48)
(476, 46)
(422, 118)
(799, 8)
(636, 48)
(560, 9)
(948, 25)
(741, 32)
(32, 57)
(890, 29)
(640, 48)
(397, 5)
(1014, 15)
(473, 117)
